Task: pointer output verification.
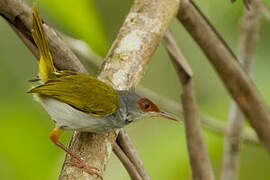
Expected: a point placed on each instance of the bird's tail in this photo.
(46, 67)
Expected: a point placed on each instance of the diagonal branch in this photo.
(129, 149)
(132, 171)
(250, 29)
(230, 71)
(124, 66)
(198, 155)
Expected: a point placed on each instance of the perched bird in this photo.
(80, 102)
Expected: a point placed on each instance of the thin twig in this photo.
(146, 22)
(131, 169)
(228, 68)
(210, 123)
(198, 154)
(125, 142)
(250, 29)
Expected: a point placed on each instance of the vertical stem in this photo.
(250, 29)
(198, 155)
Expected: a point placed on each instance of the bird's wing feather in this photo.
(82, 92)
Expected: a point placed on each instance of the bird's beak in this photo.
(168, 116)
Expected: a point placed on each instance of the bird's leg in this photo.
(54, 136)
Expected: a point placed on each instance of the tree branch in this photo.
(250, 29)
(124, 66)
(132, 171)
(198, 155)
(125, 142)
(226, 64)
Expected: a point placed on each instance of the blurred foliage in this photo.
(25, 149)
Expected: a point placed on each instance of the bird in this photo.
(80, 102)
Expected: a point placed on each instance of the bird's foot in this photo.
(89, 169)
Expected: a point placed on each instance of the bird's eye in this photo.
(146, 105)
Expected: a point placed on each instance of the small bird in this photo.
(80, 102)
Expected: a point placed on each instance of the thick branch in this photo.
(226, 64)
(198, 155)
(250, 28)
(124, 66)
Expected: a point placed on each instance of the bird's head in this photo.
(136, 107)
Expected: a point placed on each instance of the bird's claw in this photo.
(89, 169)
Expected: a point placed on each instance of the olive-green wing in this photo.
(82, 92)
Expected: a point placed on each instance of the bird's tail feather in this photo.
(46, 67)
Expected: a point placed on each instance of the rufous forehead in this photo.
(148, 106)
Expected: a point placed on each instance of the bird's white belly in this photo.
(70, 118)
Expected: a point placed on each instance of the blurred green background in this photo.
(25, 149)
